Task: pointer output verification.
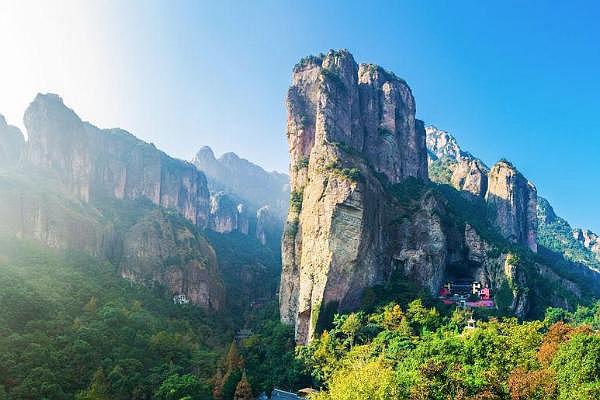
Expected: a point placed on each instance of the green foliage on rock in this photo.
(296, 200)
(440, 172)
(302, 163)
(555, 234)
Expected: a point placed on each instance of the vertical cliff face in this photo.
(95, 164)
(514, 199)
(79, 187)
(11, 143)
(268, 228)
(347, 126)
(470, 176)
(161, 247)
(223, 213)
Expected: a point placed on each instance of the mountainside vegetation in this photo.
(417, 352)
(70, 327)
(556, 235)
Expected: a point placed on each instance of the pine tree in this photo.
(218, 385)
(243, 391)
(234, 359)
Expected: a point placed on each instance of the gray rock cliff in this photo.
(12, 143)
(95, 163)
(514, 199)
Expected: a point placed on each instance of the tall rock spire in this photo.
(349, 127)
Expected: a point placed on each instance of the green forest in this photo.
(70, 328)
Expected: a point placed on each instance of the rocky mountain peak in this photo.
(545, 211)
(442, 145)
(363, 109)
(514, 199)
(244, 180)
(204, 154)
(588, 239)
(470, 175)
(348, 126)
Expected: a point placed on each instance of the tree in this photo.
(234, 359)
(350, 327)
(99, 388)
(361, 380)
(243, 391)
(218, 382)
(178, 387)
(577, 364)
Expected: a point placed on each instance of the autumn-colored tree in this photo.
(393, 318)
(557, 333)
(217, 391)
(532, 385)
(243, 390)
(234, 360)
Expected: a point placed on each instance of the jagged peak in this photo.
(49, 107)
(504, 163)
(375, 71)
(50, 97)
(205, 152)
(231, 156)
(312, 61)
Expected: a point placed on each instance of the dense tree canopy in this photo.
(69, 326)
(417, 353)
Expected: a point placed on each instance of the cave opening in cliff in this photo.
(463, 272)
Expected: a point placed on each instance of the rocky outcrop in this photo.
(226, 215)
(245, 180)
(349, 129)
(514, 200)
(268, 228)
(32, 208)
(223, 214)
(470, 176)
(243, 225)
(95, 164)
(589, 240)
(105, 192)
(11, 143)
(442, 145)
(162, 248)
(146, 244)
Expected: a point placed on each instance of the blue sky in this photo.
(512, 79)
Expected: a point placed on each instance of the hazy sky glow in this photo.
(518, 79)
